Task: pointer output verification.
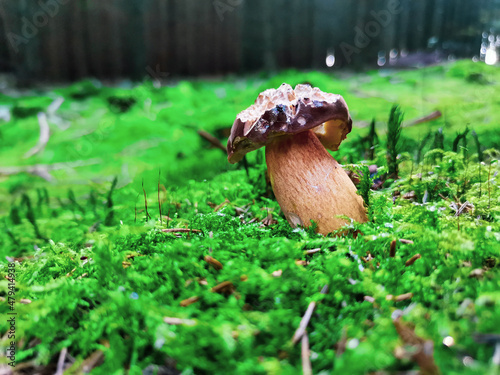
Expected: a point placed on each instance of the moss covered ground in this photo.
(104, 284)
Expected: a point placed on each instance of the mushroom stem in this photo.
(310, 185)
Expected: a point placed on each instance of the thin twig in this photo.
(60, 362)
(306, 360)
(305, 319)
(159, 201)
(442, 196)
(180, 230)
(43, 170)
(489, 188)
(145, 202)
(92, 361)
(135, 208)
(178, 321)
(44, 136)
(403, 297)
(189, 301)
(462, 208)
(412, 260)
(340, 346)
(430, 117)
(392, 249)
(422, 351)
(213, 140)
(312, 251)
(224, 287)
(219, 206)
(55, 105)
(409, 242)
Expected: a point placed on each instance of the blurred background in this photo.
(66, 40)
(156, 84)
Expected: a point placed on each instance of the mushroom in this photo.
(296, 126)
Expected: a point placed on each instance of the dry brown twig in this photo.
(268, 220)
(422, 350)
(213, 140)
(189, 301)
(412, 260)
(95, 359)
(403, 297)
(224, 287)
(341, 345)
(392, 249)
(223, 204)
(430, 117)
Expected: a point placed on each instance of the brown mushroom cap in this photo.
(285, 111)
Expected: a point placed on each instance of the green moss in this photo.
(106, 282)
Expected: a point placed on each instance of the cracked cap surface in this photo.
(285, 111)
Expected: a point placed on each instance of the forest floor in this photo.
(98, 280)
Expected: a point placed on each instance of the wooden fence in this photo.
(61, 40)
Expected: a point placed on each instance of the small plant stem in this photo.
(305, 319)
(412, 260)
(480, 182)
(489, 187)
(180, 230)
(392, 249)
(305, 353)
(108, 221)
(159, 201)
(145, 202)
(393, 135)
